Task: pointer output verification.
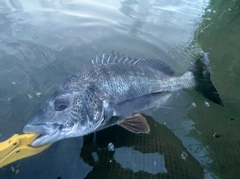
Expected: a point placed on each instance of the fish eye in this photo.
(60, 104)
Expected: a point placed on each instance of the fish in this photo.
(114, 90)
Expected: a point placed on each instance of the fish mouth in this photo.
(43, 139)
(47, 133)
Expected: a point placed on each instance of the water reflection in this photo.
(42, 42)
(136, 10)
(136, 161)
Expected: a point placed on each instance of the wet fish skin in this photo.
(97, 97)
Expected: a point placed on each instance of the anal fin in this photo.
(136, 124)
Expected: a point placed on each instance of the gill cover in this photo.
(88, 108)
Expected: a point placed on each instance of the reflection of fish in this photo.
(113, 91)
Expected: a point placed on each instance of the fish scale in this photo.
(115, 90)
(121, 81)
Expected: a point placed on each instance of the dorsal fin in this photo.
(121, 59)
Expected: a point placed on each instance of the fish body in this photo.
(114, 90)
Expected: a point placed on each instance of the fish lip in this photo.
(36, 128)
(43, 139)
(45, 134)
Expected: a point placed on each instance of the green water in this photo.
(219, 33)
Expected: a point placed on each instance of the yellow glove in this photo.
(18, 147)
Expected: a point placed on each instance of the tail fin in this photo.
(201, 71)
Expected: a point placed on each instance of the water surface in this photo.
(43, 42)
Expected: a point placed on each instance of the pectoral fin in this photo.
(136, 124)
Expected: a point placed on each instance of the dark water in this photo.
(43, 42)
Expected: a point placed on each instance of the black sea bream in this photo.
(114, 90)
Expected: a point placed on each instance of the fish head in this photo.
(66, 115)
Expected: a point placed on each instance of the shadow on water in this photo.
(160, 154)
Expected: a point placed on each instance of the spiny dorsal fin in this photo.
(121, 59)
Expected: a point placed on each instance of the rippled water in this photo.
(43, 42)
